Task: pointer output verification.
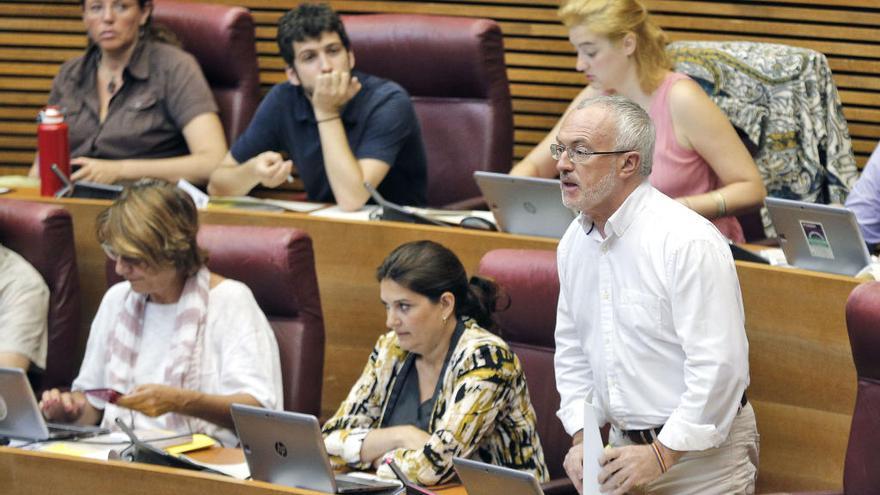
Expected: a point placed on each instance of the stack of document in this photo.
(99, 447)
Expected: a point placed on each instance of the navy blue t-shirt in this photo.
(379, 121)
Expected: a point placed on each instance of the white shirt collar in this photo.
(626, 214)
(623, 217)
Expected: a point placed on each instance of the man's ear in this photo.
(630, 43)
(290, 72)
(631, 164)
(350, 59)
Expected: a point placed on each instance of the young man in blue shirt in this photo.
(336, 127)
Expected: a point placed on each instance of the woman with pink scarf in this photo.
(178, 342)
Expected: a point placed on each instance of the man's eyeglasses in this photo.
(128, 260)
(578, 156)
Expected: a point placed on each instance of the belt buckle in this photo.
(648, 436)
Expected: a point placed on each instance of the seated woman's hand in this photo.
(380, 441)
(62, 407)
(95, 170)
(152, 399)
(409, 437)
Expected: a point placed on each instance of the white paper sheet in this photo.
(338, 213)
(592, 450)
(267, 203)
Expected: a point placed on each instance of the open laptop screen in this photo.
(819, 237)
(525, 205)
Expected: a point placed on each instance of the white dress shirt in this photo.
(649, 326)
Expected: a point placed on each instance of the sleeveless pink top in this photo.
(680, 172)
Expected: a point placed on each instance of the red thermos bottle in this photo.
(53, 149)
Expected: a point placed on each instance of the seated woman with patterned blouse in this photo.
(437, 385)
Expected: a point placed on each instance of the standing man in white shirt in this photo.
(649, 326)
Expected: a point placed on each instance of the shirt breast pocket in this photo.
(72, 109)
(638, 314)
(143, 114)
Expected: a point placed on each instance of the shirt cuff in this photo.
(679, 434)
(95, 402)
(572, 417)
(348, 446)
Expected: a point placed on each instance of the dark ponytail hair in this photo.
(430, 269)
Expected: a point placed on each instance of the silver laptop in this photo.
(525, 205)
(480, 478)
(819, 237)
(287, 448)
(20, 416)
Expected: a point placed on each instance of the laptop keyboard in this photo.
(57, 430)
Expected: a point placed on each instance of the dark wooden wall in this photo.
(35, 37)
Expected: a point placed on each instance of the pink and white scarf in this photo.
(186, 350)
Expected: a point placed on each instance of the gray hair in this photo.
(635, 130)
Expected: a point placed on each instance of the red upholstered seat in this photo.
(530, 279)
(278, 265)
(861, 473)
(453, 68)
(221, 38)
(43, 235)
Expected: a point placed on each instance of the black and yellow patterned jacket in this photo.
(483, 411)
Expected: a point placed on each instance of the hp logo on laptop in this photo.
(529, 207)
(281, 449)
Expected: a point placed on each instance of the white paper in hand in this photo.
(198, 197)
(592, 450)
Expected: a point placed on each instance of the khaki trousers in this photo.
(731, 468)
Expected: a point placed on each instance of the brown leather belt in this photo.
(645, 437)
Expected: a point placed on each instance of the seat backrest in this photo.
(278, 265)
(43, 235)
(861, 472)
(530, 279)
(221, 38)
(784, 102)
(453, 68)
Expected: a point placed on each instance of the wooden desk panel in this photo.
(803, 378)
(36, 473)
(802, 375)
